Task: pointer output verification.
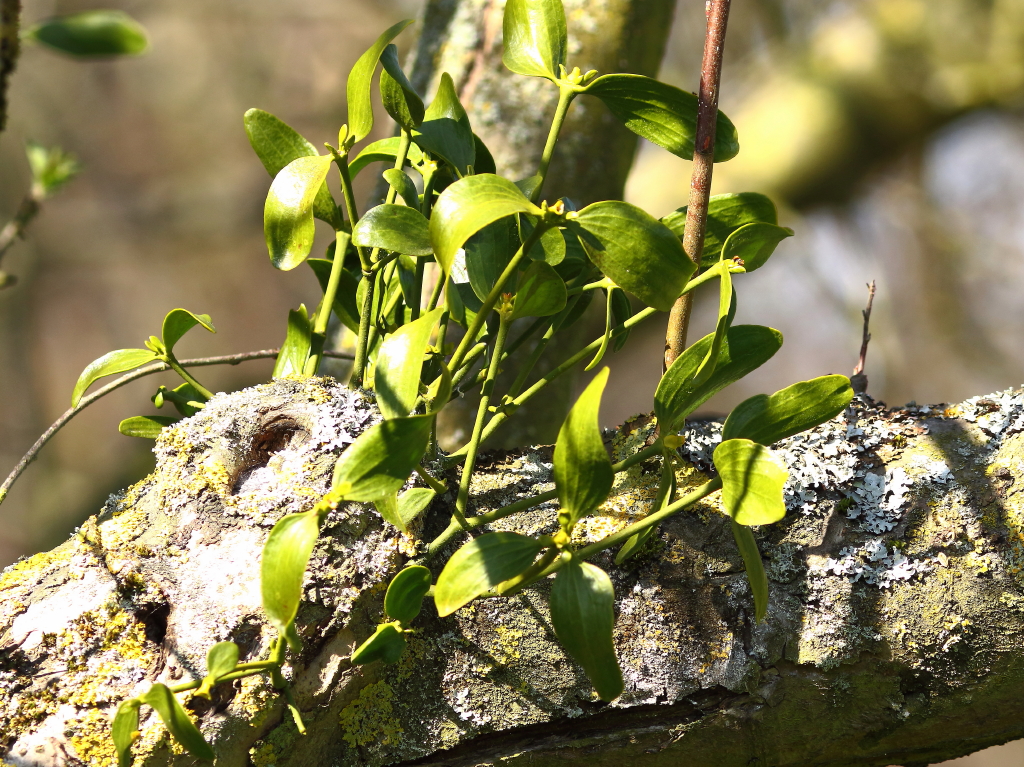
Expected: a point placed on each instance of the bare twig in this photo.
(159, 367)
(15, 228)
(859, 381)
(703, 164)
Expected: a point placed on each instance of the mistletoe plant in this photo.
(510, 264)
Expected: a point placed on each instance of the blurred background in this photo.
(889, 132)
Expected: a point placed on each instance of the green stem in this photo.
(492, 297)
(467, 364)
(341, 160)
(435, 294)
(481, 413)
(365, 320)
(324, 315)
(565, 97)
(177, 368)
(436, 485)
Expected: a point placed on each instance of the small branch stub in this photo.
(859, 381)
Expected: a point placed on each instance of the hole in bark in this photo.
(154, 619)
(276, 434)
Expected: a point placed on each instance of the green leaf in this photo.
(746, 348)
(405, 594)
(550, 248)
(110, 363)
(345, 305)
(638, 252)
(91, 33)
(360, 110)
(463, 303)
(387, 507)
(484, 162)
(767, 419)
(470, 204)
(488, 253)
(583, 472)
(178, 322)
(387, 643)
(177, 722)
(291, 360)
(288, 212)
(414, 502)
(277, 144)
(754, 243)
(396, 92)
(541, 292)
(756, 575)
(752, 482)
(395, 228)
(283, 567)
(662, 114)
(382, 458)
(583, 614)
(535, 37)
(396, 378)
(221, 659)
(384, 150)
(403, 185)
(145, 426)
(125, 730)
(481, 565)
(186, 399)
(725, 314)
(445, 131)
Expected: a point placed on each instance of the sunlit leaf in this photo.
(360, 110)
(404, 597)
(638, 252)
(480, 565)
(91, 33)
(387, 507)
(277, 144)
(283, 567)
(467, 206)
(752, 482)
(396, 228)
(535, 37)
(145, 426)
(488, 253)
(549, 248)
(583, 471)
(754, 243)
(746, 348)
(110, 363)
(177, 722)
(583, 614)
(384, 150)
(396, 379)
(662, 114)
(386, 644)
(288, 212)
(125, 730)
(767, 419)
(414, 502)
(726, 214)
(382, 458)
(291, 360)
(403, 185)
(179, 321)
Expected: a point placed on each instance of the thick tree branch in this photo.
(893, 636)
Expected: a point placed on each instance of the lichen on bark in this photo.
(882, 646)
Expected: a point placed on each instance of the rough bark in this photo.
(512, 114)
(893, 634)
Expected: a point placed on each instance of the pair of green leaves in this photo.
(125, 727)
(402, 603)
(743, 225)
(752, 476)
(637, 252)
(176, 323)
(536, 41)
(91, 34)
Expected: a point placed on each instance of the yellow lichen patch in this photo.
(254, 699)
(37, 565)
(370, 717)
(90, 737)
(1010, 507)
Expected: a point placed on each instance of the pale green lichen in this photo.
(370, 717)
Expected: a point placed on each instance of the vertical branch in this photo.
(859, 380)
(703, 164)
(10, 18)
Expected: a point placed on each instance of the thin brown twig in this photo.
(859, 381)
(158, 367)
(703, 164)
